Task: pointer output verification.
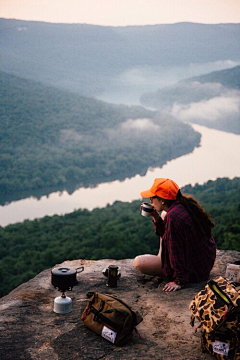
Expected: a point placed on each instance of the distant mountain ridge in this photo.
(88, 58)
(54, 136)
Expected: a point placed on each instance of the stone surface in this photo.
(30, 330)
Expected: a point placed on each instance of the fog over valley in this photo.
(129, 86)
(212, 100)
(86, 104)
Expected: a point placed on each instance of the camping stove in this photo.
(64, 279)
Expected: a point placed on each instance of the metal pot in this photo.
(64, 278)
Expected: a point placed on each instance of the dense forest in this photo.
(52, 139)
(117, 231)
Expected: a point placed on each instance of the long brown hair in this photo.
(200, 217)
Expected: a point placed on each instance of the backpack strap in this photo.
(220, 293)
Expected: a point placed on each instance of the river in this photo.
(217, 157)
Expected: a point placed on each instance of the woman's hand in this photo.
(155, 215)
(171, 286)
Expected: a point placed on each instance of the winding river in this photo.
(218, 156)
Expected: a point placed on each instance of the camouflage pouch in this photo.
(111, 318)
(217, 308)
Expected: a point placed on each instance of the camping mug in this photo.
(112, 276)
(146, 209)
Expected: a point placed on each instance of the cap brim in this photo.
(147, 194)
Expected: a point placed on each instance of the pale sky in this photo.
(122, 12)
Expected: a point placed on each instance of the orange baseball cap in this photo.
(164, 188)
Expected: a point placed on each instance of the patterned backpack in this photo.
(217, 308)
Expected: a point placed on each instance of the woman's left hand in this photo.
(171, 286)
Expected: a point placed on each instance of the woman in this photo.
(187, 249)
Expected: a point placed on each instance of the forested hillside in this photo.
(53, 140)
(229, 78)
(188, 100)
(117, 231)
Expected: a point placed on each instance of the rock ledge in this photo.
(30, 330)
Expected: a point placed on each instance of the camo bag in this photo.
(217, 308)
(111, 318)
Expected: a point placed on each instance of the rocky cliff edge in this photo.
(31, 330)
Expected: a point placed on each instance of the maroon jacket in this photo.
(187, 256)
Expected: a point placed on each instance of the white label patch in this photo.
(221, 347)
(109, 334)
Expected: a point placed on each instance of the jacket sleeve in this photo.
(159, 227)
(175, 245)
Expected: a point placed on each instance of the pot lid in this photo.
(63, 271)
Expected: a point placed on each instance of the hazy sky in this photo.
(123, 12)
